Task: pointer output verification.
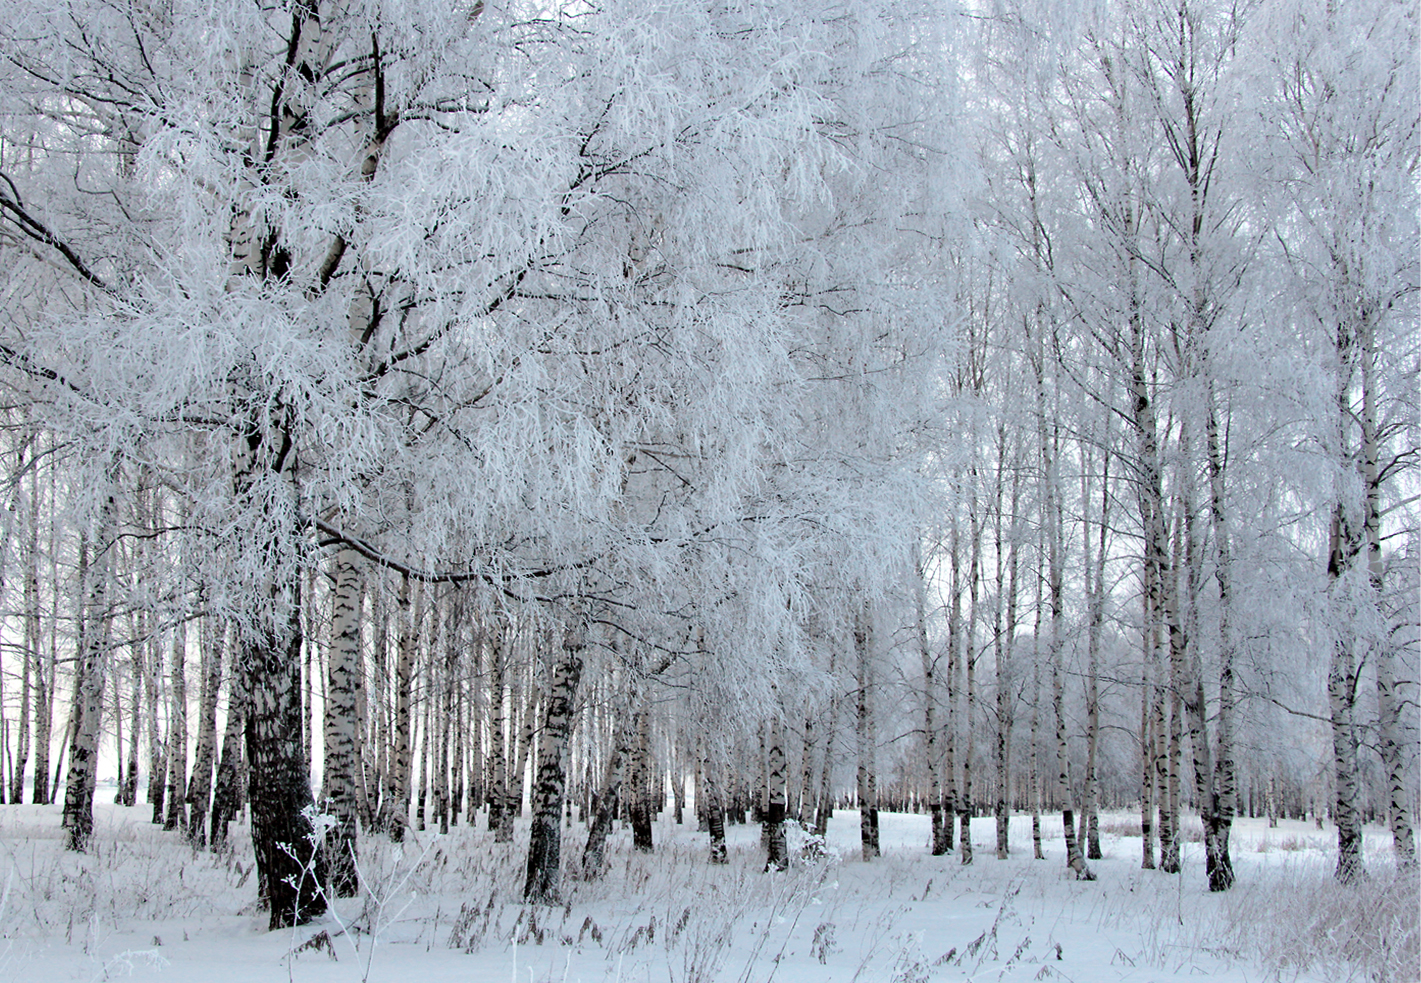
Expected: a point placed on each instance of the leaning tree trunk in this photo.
(543, 883)
(344, 682)
(95, 562)
(609, 796)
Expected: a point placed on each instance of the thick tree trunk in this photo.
(344, 683)
(777, 853)
(543, 883)
(279, 785)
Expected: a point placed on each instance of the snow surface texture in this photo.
(143, 906)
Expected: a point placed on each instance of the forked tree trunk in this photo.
(199, 794)
(543, 883)
(227, 794)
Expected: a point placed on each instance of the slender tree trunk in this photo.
(176, 817)
(498, 744)
(824, 805)
(227, 794)
(969, 661)
(525, 697)
(543, 883)
(867, 738)
(609, 796)
(940, 833)
(1003, 646)
(128, 794)
(95, 627)
(397, 807)
(31, 664)
(200, 785)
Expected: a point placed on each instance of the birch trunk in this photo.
(940, 833)
(867, 770)
(227, 797)
(593, 855)
(824, 805)
(344, 684)
(498, 744)
(397, 806)
(777, 854)
(31, 665)
(639, 801)
(543, 883)
(95, 628)
(969, 660)
(200, 785)
(176, 817)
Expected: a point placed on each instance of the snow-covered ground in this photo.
(142, 906)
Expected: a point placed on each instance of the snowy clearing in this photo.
(142, 906)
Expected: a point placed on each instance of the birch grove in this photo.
(520, 416)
